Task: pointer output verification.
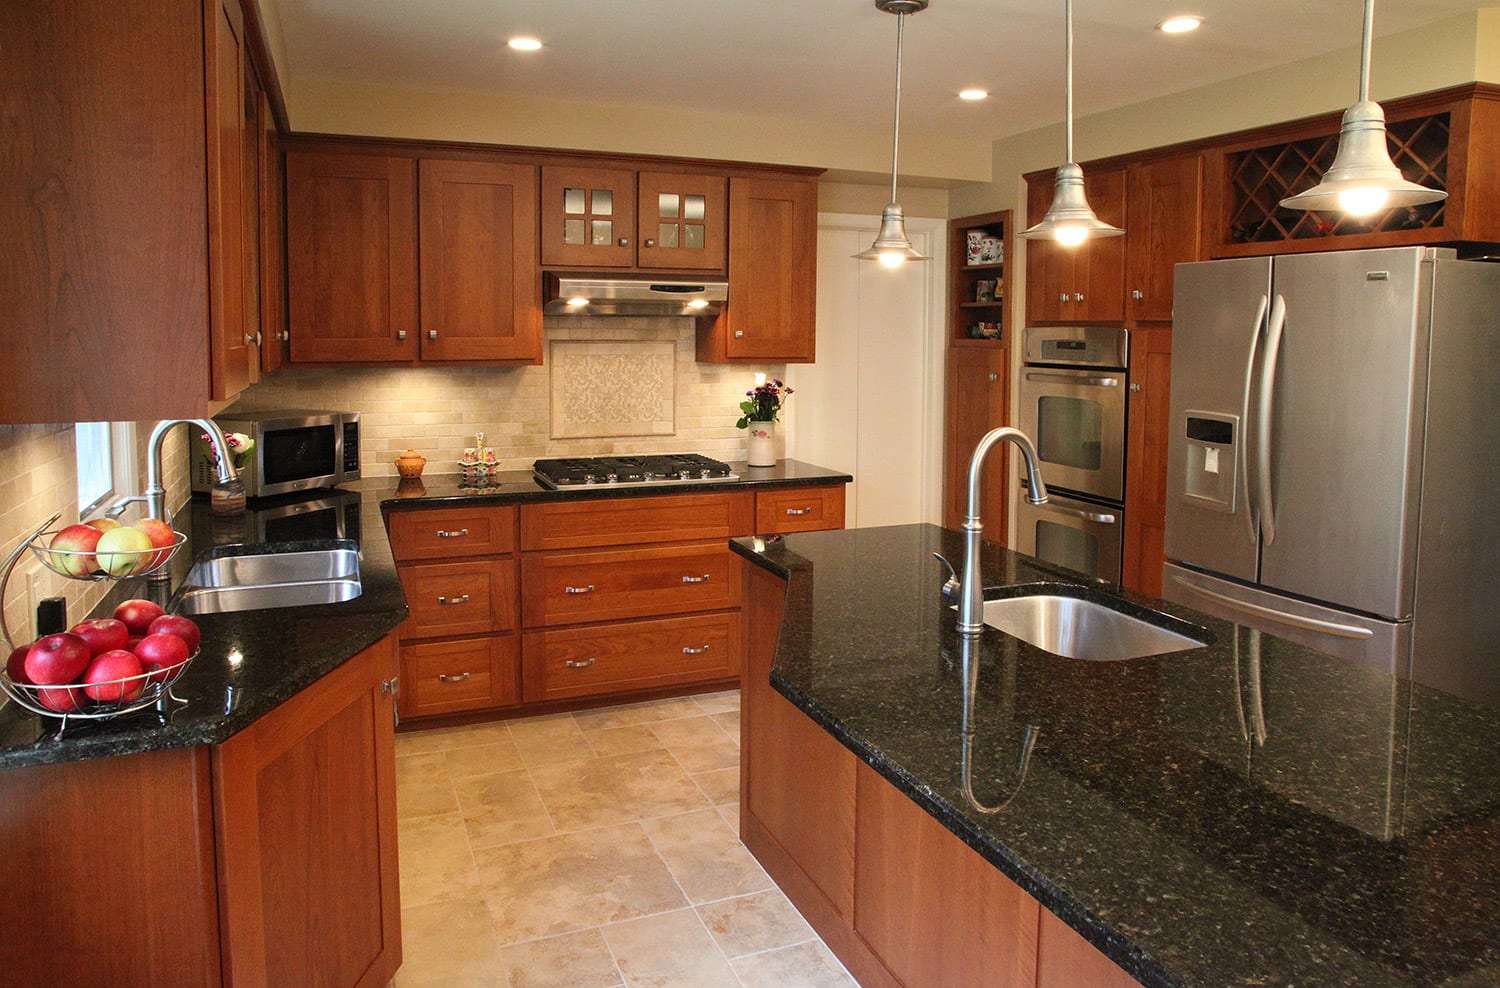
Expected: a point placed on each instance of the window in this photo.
(106, 463)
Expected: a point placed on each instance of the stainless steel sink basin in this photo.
(273, 579)
(1082, 629)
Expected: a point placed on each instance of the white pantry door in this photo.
(872, 405)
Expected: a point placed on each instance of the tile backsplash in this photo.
(527, 413)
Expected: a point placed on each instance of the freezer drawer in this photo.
(1381, 645)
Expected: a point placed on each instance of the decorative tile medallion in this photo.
(606, 389)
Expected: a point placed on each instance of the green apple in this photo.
(123, 551)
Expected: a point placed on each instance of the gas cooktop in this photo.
(630, 471)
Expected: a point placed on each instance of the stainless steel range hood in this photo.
(594, 295)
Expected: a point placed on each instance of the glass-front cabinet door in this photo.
(588, 217)
(682, 221)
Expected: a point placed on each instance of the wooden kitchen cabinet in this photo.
(1146, 437)
(620, 657)
(799, 509)
(444, 677)
(275, 341)
(978, 400)
(773, 241)
(465, 597)
(1163, 228)
(1080, 284)
(610, 584)
(1066, 960)
(623, 218)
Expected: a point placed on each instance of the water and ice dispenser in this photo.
(1212, 460)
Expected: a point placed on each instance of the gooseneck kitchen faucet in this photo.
(971, 586)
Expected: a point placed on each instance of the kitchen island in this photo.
(1245, 813)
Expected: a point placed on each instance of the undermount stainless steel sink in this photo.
(292, 578)
(1078, 628)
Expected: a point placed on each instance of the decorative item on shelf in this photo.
(991, 250)
(985, 330)
(974, 244)
(761, 409)
(984, 290)
(409, 464)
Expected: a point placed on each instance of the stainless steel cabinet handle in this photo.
(252, 339)
(454, 600)
(1063, 297)
(432, 334)
(587, 589)
(994, 377)
(1098, 382)
(624, 241)
(739, 334)
(575, 664)
(443, 677)
(1135, 388)
(284, 335)
(1078, 296)
(444, 534)
(799, 511)
(690, 650)
(1137, 294)
(650, 243)
(401, 334)
(696, 579)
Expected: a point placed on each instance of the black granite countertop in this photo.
(1247, 813)
(252, 661)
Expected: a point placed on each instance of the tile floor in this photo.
(595, 849)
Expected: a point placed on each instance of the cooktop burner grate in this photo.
(630, 471)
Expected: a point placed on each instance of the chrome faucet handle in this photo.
(950, 587)
(118, 508)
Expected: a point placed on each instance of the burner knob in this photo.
(684, 475)
(706, 474)
(648, 475)
(613, 478)
(589, 478)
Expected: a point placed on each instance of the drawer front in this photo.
(448, 532)
(799, 509)
(636, 520)
(459, 598)
(630, 655)
(573, 587)
(472, 674)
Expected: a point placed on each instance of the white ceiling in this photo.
(822, 60)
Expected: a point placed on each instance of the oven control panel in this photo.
(1078, 346)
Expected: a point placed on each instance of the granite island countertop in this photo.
(252, 661)
(1246, 813)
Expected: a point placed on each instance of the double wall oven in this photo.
(1072, 398)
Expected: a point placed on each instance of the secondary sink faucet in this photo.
(971, 586)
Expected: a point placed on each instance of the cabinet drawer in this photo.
(573, 587)
(472, 674)
(630, 655)
(636, 520)
(453, 532)
(799, 509)
(459, 598)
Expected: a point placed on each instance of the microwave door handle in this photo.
(1274, 330)
(1252, 519)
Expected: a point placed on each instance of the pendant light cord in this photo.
(896, 130)
(1364, 55)
(1068, 83)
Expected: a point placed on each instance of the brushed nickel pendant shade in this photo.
(892, 247)
(1070, 221)
(1363, 179)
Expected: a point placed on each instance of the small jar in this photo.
(409, 464)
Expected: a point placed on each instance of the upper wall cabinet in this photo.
(1083, 283)
(1164, 200)
(622, 218)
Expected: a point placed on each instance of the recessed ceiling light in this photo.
(973, 94)
(1180, 25)
(525, 44)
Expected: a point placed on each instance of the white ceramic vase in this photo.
(762, 451)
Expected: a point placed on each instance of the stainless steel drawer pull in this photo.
(696, 579)
(587, 589)
(452, 535)
(443, 677)
(575, 664)
(690, 650)
(454, 600)
(799, 511)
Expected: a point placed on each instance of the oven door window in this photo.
(1064, 545)
(298, 454)
(1070, 431)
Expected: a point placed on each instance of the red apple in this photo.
(63, 699)
(132, 642)
(159, 653)
(15, 666)
(102, 524)
(172, 624)
(103, 635)
(123, 551)
(138, 615)
(161, 536)
(114, 665)
(77, 543)
(57, 659)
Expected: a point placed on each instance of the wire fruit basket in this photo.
(91, 564)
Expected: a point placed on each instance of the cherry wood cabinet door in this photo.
(1067, 960)
(234, 359)
(682, 221)
(1146, 435)
(275, 351)
(1049, 267)
(1162, 229)
(1084, 283)
(588, 217)
(481, 283)
(351, 232)
(978, 401)
(305, 800)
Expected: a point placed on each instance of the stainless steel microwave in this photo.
(294, 450)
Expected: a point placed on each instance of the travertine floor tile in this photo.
(698, 743)
(807, 965)
(436, 860)
(573, 960)
(621, 740)
(610, 790)
(449, 943)
(483, 759)
(634, 714)
(501, 808)
(730, 722)
(705, 856)
(446, 738)
(719, 703)
(731, 814)
(753, 923)
(540, 888)
(549, 739)
(669, 951)
(720, 786)
(423, 786)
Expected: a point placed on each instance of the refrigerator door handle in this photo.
(1274, 329)
(1272, 614)
(1252, 518)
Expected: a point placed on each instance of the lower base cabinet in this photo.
(264, 861)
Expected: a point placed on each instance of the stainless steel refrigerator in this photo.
(1334, 462)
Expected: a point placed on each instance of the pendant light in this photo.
(1362, 178)
(892, 247)
(1069, 221)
